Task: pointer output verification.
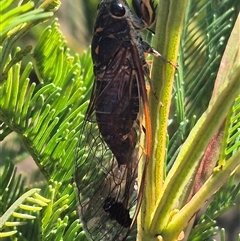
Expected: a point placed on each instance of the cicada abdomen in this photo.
(106, 168)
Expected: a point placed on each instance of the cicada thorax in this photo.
(106, 171)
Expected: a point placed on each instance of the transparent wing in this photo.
(107, 191)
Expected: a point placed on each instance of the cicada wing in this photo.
(99, 177)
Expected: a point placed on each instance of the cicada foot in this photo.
(146, 10)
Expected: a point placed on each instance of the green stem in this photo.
(191, 153)
(215, 181)
(170, 16)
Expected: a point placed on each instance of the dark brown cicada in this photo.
(106, 170)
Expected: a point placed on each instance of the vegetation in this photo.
(196, 145)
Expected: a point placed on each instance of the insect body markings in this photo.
(106, 168)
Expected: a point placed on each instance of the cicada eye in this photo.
(117, 9)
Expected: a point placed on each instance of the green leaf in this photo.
(15, 23)
(22, 208)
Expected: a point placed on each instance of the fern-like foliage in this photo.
(231, 132)
(18, 206)
(207, 28)
(46, 117)
(21, 209)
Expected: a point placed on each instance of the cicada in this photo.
(106, 168)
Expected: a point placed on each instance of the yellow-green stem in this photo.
(170, 16)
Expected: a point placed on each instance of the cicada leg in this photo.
(148, 49)
(146, 10)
